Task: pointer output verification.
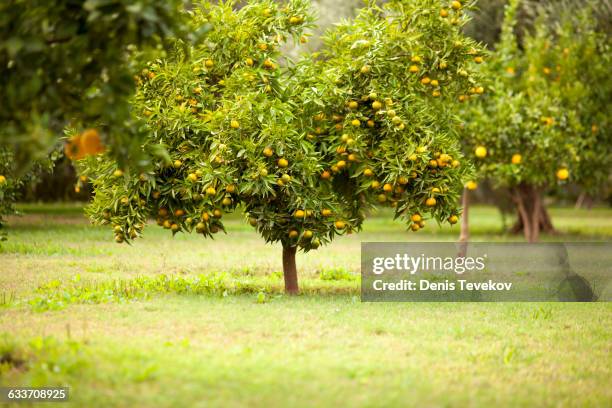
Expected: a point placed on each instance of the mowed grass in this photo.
(72, 314)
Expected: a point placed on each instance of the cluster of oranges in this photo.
(87, 143)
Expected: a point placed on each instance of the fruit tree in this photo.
(544, 122)
(303, 148)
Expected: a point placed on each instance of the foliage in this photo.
(11, 182)
(545, 122)
(69, 62)
(306, 147)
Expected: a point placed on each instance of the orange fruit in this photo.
(471, 185)
(416, 217)
(91, 143)
(368, 173)
(563, 174)
(326, 175)
(481, 152)
(517, 158)
(211, 191)
(430, 202)
(453, 219)
(340, 224)
(282, 163)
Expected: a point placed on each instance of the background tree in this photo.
(544, 123)
(67, 62)
(303, 148)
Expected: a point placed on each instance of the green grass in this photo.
(190, 322)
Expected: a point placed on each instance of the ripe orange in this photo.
(326, 212)
(269, 64)
(414, 69)
(175, 227)
(156, 195)
(352, 157)
(356, 122)
(368, 173)
(91, 143)
(365, 69)
(205, 216)
(217, 213)
(376, 105)
(430, 202)
(307, 234)
(192, 177)
(444, 13)
(200, 227)
(167, 224)
(471, 185)
(177, 164)
(234, 124)
(456, 5)
(293, 234)
(402, 180)
(209, 63)
(478, 60)
(388, 188)
(326, 175)
(434, 82)
(415, 227)
(341, 164)
(375, 184)
(211, 191)
(226, 201)
(268, 152)
(231, 188)
(517, 158)
(453, 219)
(299, 214)
(118, 173)
(282, 163)
(179, 213)
(563, 174)
(481, 152)
(416, 217)
(340, 224)
(425, 80)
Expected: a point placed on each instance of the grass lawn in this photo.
(190, 322)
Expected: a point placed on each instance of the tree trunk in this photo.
(533, 217)
(464, 235)
(290, 270)
(544, 220)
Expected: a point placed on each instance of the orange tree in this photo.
(304, 149)
(544, 122)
